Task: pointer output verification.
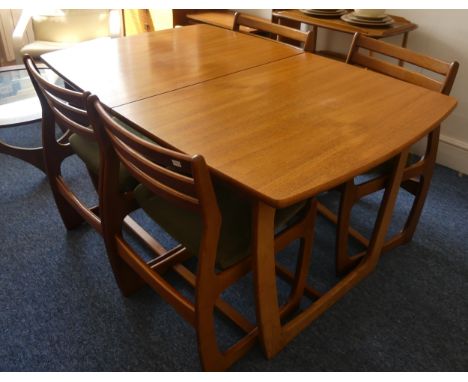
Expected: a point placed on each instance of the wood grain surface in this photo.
(126, 69)
(290, 129)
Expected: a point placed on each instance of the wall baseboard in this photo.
(452, 153)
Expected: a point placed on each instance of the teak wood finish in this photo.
(277, 30)
(189, 186)
(136, 67)
(281, 140)
(416, 176)
(284, 131)
(269, 131)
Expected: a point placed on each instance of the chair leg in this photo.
(419, 188)
(70, 217)
(209, 287)
(344, 263)
(416, 209)
(406, 235)
(211, 358)
(127, 279)
(299, 283)
(208, 350)
(54, 154)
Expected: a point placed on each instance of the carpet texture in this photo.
(60, 309)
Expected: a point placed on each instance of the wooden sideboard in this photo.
(294, 18)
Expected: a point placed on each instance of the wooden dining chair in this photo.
(66, 109)
(279, 32)
(209, 219)
(438, 76)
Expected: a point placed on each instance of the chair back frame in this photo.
(67, 109)
(447, 70)
(68, 106)
(174, 176)
(307, 38)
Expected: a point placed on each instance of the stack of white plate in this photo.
(329, 13)
(368, 20)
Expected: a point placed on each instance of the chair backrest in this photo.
(71, 25)
(174, 176)
(307, 38)
(65, 107)
(444, 72)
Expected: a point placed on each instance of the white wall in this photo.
(444, 34)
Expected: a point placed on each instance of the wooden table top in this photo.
(401, 25)
(126, 69)
(290, 129)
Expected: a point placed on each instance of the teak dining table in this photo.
(279, 124)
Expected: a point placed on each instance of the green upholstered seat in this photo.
(88, 151)
(185, 226)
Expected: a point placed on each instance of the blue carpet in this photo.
(60, 309)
